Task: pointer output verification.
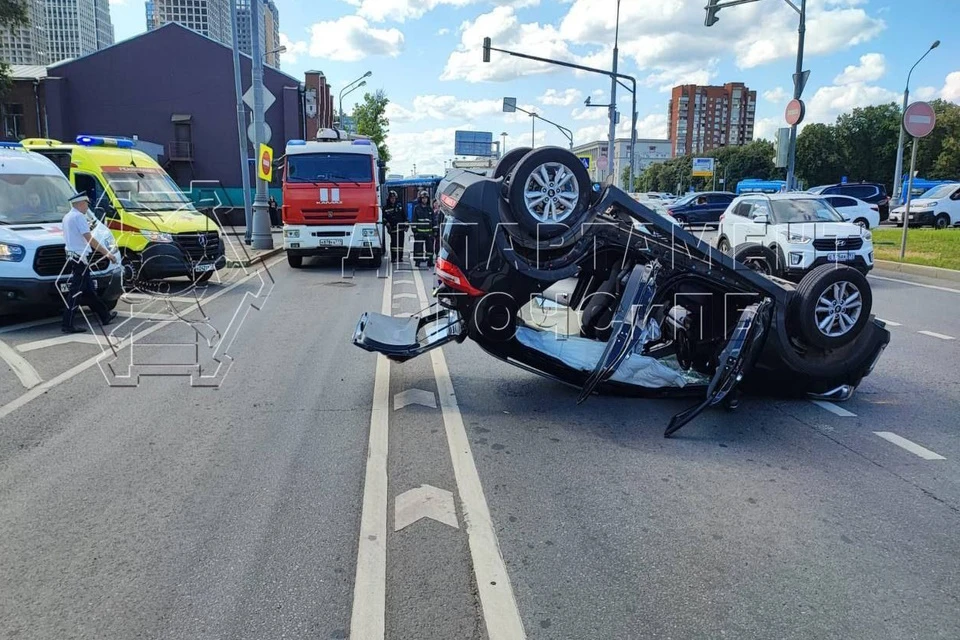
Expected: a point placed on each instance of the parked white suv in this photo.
(788, 234)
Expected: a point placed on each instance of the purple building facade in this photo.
(174, 88)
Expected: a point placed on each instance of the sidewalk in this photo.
(240, 254)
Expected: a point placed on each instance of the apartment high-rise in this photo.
(269, 29)
(58, 30)
(208, 17)
(271, 24)
(706, 117)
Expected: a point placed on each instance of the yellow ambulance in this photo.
(158, 230)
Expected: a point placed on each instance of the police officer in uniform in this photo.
(424, 230)
(396, 221)
(80, 246)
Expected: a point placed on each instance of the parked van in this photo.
(33, 201)
(159, 231)
(939, 207)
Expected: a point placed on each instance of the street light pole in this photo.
(797, 92)
(898, 172)
(503, 143)
(241, 128)
(350, 88)
(612, 135)
(262, 237)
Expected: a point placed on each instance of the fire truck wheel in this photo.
(295, 261)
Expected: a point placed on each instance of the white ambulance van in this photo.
(33, 201)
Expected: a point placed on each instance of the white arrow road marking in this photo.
(500, 612)
(24, 370)
(368, 619)
(52, 342)
(424, 502)
(414, 396)
(912, 447)
(834, 409)
(936, 335)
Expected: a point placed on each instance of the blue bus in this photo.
(754, 185)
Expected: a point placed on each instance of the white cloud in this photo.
(589, 113)
(429, 148)
(294, 49)
(872, 67)
(926, 93)
(565, 98)
(694, 73)
(830, 101)
(653, 125)
(951, 88)
(506, 31)
(445, 107)
(767, 128)
(442, 32)
(403, 10)
(351, 38)
(777, 95)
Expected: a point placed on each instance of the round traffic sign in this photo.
(265, 162)
(795, 112)
(919, 119)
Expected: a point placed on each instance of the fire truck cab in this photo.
(331, 198)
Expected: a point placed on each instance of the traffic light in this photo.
(486, 49)
(713, 9)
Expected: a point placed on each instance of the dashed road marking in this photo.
(368, 619)
(834, 409)
(404, 296)
(933, 334)
(29, 377)
(410, 397)
(890, 323)
(500, 611)
(52, 342)
(912, 447)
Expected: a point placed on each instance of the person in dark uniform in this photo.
(424, 230)
(396, 220)
(80, 245)
(275, 220)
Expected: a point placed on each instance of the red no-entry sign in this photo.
(795, 112)
(919, 119)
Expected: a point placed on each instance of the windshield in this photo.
(329, 167)
(940, 191)
(687, 199)
(145, 190)
(27, 198)
(808, 210)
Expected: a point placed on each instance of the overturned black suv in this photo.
(585, 285)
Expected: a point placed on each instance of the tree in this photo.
(13, 14)
(867, 140)
(371, 119)
(937, 155)
(819, 160)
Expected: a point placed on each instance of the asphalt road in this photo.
(243, 473)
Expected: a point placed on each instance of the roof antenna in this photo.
(135, 140)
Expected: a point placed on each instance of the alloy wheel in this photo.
(838, 309)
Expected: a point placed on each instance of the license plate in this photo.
(330, 242)
(64, 287)
(203, 268)
(839, 257)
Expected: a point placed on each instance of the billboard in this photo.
(473, 143)
(702, 167)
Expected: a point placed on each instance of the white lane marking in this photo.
(912, 447)
(890, 323)
(410, 397)
(27, 347)
(29, 377)
(936, 335)
(500, 612)
(42, 388)
(30, 324)
(424, 502)
(917, 284)
(368, 620)
(834, 409)
(404, 296)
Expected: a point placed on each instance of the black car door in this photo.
(735, 361)
(716, 204)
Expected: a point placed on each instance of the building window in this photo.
(12, 117)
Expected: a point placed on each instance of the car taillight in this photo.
(670, 212)
(721, 216)
(448, 200)
(451, 275)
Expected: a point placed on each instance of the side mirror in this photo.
(761, 218)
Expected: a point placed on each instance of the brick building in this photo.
(706, 117)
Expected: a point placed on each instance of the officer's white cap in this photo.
(79, 196)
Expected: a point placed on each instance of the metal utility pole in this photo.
(898, 172)
(611, 143)
(510, 106)
(798, 82)
(503, 143)
(262, 236)
(350, 88)
(241, 128)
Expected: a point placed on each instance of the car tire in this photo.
(863, 223)
(568, 197)
(833, 304)
(759, 258)
(942, 221)
(509, 161)
(682, 221)
(723, 246)
(294, 261)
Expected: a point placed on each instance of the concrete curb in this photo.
(236, 264)
(936, 273)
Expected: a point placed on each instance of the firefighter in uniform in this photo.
(80, 246)
(396, 221)
(424, 230)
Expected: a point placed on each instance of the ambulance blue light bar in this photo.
(367, 142)
(10, 145)
(99, 141)
(297, 143)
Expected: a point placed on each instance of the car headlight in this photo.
(867, 235)
(156, 236)
(292, 233)
(796, 238)
(369, 233)
(11, 252)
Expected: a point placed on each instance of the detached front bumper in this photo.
(22, 294)
(402, 339)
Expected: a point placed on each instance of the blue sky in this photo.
(426, 55)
